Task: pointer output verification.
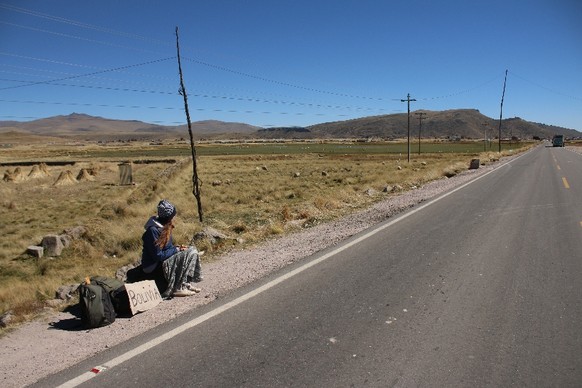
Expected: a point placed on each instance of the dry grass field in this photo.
(250, 195)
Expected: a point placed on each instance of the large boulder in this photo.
(52, 245)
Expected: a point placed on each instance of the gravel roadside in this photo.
(40, 348)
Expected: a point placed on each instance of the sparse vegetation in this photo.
(253, 194)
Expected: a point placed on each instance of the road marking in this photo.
(566, 185)
(557, 165)
(243, 298)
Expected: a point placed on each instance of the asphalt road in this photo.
(480, 288)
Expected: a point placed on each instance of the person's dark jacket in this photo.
(152, 254)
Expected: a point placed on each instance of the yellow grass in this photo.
(250, 198)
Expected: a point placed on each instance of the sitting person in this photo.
(174, 268)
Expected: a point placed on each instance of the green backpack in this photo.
(97, 307)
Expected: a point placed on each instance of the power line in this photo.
(43, 31)
(89, 74)
(165, 108)
(213, 96)
(260, 78)
(545, 87)
(166, 43)
(81, 24)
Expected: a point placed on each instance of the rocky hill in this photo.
(458, 123)
(462, 123)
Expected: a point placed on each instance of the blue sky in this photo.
(286, 63)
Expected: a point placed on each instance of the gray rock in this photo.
(210, 234)
(65, 240)
(474, 164)
(35, 251)
(52, 245)
(121, 273)
(6, 318)
(75, 232)
(66, 292)
(54, 303)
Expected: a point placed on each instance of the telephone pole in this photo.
(421, 116)
(182, 92)
(501, 110)
(408, 99)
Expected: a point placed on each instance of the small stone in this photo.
(6, 318)
(35, 251)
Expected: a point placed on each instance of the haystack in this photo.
(8, 177)
(36, 172)
(65, 178)
(44, 168)
(14, 176)
(85, 175)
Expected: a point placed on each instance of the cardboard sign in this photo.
(142, 296)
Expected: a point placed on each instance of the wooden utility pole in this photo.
(182, 91)
(421, 116)
(501, 111)
(408, 99)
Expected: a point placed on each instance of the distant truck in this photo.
(558, 141)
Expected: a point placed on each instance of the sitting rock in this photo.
(124, 273)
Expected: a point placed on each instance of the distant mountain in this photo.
(463, 123)
(85, 127)
(457, 123)
(214, 128)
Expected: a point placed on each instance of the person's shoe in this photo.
(190, 287)
(183, 292)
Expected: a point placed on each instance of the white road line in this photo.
(241, 299)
